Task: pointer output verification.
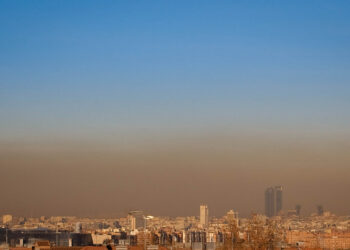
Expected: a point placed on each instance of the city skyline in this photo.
(137, 231)
(138, 218)
(273, 207)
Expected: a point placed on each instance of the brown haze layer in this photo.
(173, 176)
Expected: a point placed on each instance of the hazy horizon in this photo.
(162, 106)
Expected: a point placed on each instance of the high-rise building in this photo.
(136, 219)
(204, 216)
(270, 202)
(278, 192)
(132, 220)
(273, 201)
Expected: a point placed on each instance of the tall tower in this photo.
(136, 219)
(273, 201)
(203, 216)
(278, 191)
(132, 222)
(270, 202)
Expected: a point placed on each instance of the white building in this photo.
(203, 216)
(132, 223)
(7, 218)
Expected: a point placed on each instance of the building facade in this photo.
(278, 192)
(203, 216)
(273, 201)
(270, 202)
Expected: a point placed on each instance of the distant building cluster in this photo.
(277, 229)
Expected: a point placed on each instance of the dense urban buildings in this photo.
(287, 230)
(122, 123)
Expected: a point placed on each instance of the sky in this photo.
(107, 106)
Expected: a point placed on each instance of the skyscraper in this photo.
(273, 201)
(136, 219)
(270, 202)
(278, 192)
(203, 216)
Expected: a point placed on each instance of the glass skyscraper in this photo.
(273, 201)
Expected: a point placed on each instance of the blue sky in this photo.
(98, 67)
(223, 94)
